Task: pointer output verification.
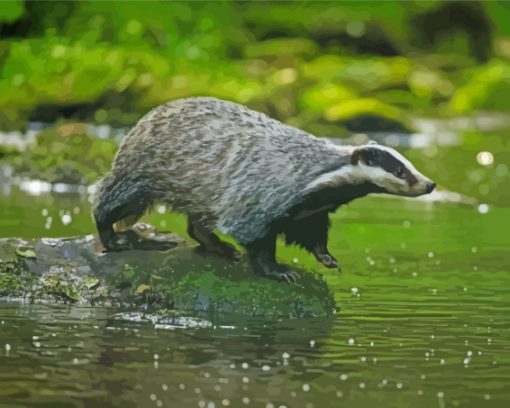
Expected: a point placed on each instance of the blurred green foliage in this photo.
(66, 154)
(301, 62)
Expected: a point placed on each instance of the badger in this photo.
(240, 172)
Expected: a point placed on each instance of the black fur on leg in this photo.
(307, 232)
(311, 233)
(261, 253)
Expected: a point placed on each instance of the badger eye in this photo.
(399, 172)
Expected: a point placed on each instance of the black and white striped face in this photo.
(389, 170)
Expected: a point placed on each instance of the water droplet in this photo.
(485, 158)
(285, 355)
(153, 397)
(362, 385)
(351, 341)
(501, 170)
(483, 208)
(343, 377)
(354, 290)
(306, 387)
(265, 367)
(399, 385)
(312, 343)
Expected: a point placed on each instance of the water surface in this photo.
(424, 315)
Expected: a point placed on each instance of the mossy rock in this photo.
(76, 270)
(369, 115)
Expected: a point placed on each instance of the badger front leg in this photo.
(123, 200)
(311, 233)
(261, 254)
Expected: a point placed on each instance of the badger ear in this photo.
(356, 154)
(367, 154)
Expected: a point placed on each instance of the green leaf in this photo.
(142, 288)
(26, 253)
(72, 293)
(90, 282)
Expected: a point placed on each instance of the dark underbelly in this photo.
(329, 200)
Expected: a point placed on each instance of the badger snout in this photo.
(429, 187)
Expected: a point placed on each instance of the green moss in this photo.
(369, 113)
(10, 285)
(10, 277)
(486, 88)
(278, 47)
(255, 296)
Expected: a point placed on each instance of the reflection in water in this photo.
(450, 344)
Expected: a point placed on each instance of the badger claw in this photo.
(287, 276)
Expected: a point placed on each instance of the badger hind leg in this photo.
(209, 241)
(311, 233)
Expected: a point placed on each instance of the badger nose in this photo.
(430, 186)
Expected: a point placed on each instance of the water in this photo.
(424, 314)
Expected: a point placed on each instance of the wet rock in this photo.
(76, 270)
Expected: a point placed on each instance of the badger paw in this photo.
(280, 273)
(221, 249)
(289, 277)
(328, 261)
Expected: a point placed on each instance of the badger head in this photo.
(389, 170)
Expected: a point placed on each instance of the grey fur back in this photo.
(237, 169)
